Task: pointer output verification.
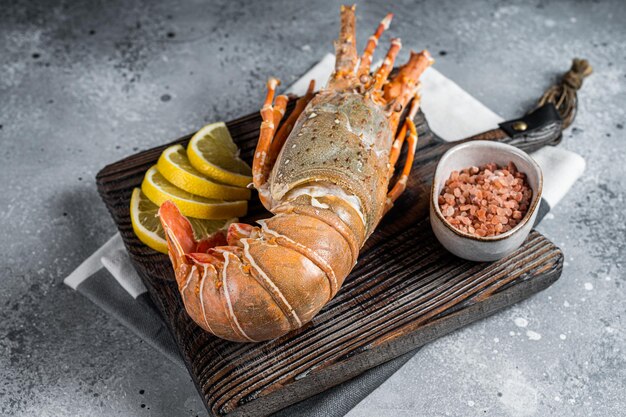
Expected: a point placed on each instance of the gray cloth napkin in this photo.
(110, 281)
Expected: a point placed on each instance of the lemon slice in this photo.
(147, 226)
(160, 190)
(213, 152)
(174, 165)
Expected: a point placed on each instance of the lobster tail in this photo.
(258, 283)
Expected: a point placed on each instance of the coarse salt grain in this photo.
(485, 201)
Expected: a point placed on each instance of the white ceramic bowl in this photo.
(477, 153)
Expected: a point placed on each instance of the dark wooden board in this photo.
(405, 291)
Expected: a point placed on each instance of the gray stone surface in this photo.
(83, 84)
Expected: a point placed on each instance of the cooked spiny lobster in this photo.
(324, 175)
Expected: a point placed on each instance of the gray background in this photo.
(83, 84)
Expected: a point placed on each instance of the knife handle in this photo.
(543, 126)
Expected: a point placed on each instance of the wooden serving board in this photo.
(405, 291)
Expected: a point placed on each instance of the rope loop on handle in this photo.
(563, 94)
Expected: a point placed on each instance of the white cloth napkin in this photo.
(118, 264)
(113, 256)
(452, 114)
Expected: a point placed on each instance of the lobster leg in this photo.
(380, 77)
(396, 148)
(403, 86)
(280, 105)
(287, 126)
(271, 117)
(400, 185)
(366, 58)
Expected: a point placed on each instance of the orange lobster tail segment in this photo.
(178, 232)
(323, 172)
(265, 281)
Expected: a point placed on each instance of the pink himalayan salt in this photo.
(485, 201)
